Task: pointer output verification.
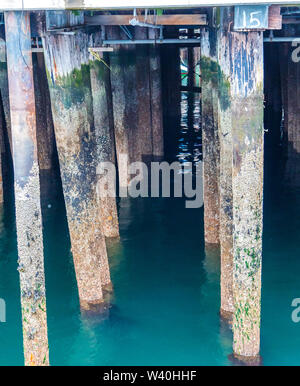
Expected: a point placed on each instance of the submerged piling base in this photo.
(239, 360)
(27, 188)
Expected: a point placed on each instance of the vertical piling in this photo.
(210, 137)
(2, 149)
(4, 90)
(100, 80)
(156, 98)
(171, 90)
(27, 188)
(144, 136)
(45, 130)
(247, 105)
(119, 88)
(225, 182)
(67, 62)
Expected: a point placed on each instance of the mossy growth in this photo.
(74, 87)
(212, 73)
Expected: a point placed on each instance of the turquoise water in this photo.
(166, 286)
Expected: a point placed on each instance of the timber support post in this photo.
(45, 130)
(104, 130)
(144, 128)
(4, 90)
(210, 136)
(122, 68)
(156, 99)
(2, 149)
(247, 104)
(68, 67)
(27, 188)
(225, 182)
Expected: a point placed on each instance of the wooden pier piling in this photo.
(247, 103)
(2, 149)
(210, 136)
(104, 132)
(156, 99)
(4, 90)
(225, 182)
(45, 130)
(27, 188)
(67, 62)
(144, 133)
(120, 68)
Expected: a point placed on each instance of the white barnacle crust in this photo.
(31, 269)
(248, 253)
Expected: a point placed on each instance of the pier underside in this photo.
(89, 97)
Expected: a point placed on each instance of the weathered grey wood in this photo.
(45, 129)
(2, 150)
(247, 103)
(143, 114)
(4, 92)
(225, 183)
(156, 99)
(122, 65)
(210, 136)
(27, 188)
(104, 132)
(67, 61)
(183, 19)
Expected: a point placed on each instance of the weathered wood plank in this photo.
(104, 130)
(247, 106)
(210, 136)
(156, 99)
(225, 135)
(159, 20)
(275, 18)
(68, 68)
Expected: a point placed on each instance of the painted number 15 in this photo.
(254, 21)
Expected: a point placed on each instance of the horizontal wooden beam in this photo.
(195, 19)
(130, 4)
(275, 18)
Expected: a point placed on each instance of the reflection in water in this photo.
(190, 139)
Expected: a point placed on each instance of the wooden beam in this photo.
(121, 4)
(199, 19)
(275, 18)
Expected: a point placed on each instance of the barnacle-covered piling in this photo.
(68, 70)
(2, 148)
(210, 137)
(247, 186)
(27, 188)
(4, 89)
(45, 130)
(156, 98)
(104, 130)
(122, 76)
(225, 182)
(144, 128)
